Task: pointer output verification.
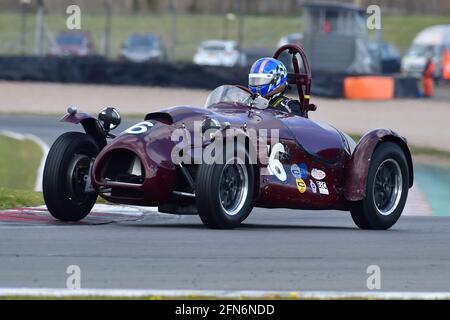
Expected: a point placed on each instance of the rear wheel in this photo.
(386, 189)
(224, 192)
(66, 174)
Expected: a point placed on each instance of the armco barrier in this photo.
(99, 70)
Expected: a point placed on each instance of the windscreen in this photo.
(228, 93)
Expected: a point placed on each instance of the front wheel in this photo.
(386, 189)
(66, 174)
(224, 192)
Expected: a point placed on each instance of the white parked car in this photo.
(219, 53)
(429, 43)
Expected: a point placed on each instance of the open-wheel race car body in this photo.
(222, 160)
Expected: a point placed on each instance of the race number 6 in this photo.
(139, 128)
(275, 166)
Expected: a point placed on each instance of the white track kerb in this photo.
(219, 294)
(44, 147)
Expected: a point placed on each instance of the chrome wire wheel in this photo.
(233, 186)
(387, 186)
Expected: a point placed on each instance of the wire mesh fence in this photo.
(18, 31)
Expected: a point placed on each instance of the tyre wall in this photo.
(98, 70)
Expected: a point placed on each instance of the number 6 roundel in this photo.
(139, 128)
(275, 166)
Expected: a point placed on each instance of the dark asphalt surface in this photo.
(272, 250)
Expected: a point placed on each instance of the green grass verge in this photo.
(11, 198)
(260, 31)
(19, 162)
(401, 30)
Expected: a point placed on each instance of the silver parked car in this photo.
(142, 48)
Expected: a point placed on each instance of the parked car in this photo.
(219, 53)
(72, 43)
(390, 57)
(142, 48)
(293, 38)
(429, 43)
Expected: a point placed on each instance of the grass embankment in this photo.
(259, 31)
(12, 198)
(19, 163)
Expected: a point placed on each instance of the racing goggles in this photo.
(260, 79)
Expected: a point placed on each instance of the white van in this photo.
(430, 42)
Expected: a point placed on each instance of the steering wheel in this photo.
(302, 80)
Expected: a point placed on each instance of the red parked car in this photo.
(72, 43)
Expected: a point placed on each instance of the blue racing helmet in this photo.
(267, 76)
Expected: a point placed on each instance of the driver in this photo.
(268, 78)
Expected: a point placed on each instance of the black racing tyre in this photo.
(386, 189)
(65, 173)
(224, 192)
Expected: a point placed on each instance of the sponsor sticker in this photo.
(301, 185)
(313, 186)
(323, 189)
(300, 171)
(295, 170)
(318, 174)
(303, 170)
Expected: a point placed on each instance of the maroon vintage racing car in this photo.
(222, 160)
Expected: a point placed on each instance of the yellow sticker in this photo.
(301, 185)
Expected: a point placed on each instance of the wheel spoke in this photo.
(386, 188)
(231, 187)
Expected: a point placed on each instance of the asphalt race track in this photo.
(272, 250)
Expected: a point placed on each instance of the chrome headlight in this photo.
(109, 119)
(210, 126)
(210, 123)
